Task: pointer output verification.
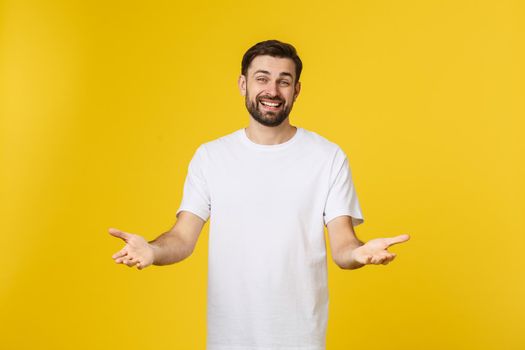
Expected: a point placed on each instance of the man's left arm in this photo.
(348, 252)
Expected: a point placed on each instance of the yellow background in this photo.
(102, 105)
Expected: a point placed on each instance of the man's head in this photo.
(269, 80)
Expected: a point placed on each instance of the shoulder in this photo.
(216, 147)
(322, 144)
(221, 141)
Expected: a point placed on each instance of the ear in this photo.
(297, 90)
(242, 84)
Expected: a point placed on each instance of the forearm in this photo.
(169, 249)
(346, 261)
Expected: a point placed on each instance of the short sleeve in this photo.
(196, 194)
(342, 197)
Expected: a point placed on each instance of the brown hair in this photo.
(274, 48)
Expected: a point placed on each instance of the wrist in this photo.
(349, 262)
(155, 251)
(353, 263)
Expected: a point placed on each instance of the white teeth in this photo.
(270, 104)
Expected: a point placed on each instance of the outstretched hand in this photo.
(137, 250)
(375, 251)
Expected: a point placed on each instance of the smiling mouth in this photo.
(271, 105)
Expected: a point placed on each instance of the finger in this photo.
(126, 259)
(380, 258)
(132, 263)
(389, 259)
(374, 260)
(120, 234)
(119, 254)
(140, 265)
(386, 260)
(122, 260)
(397, 239)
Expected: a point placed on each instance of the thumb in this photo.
(397, 239)
(120, 234)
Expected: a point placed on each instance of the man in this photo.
(269, 189)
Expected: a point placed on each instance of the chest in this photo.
(271, 185)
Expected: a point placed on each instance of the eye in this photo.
(285, 83)
(261, 79)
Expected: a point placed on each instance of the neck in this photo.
(267, 135)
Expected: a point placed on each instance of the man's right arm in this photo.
(179, 242)
(170, 247)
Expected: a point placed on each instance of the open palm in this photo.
(137, 250)
(375, 251)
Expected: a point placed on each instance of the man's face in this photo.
(270, 89)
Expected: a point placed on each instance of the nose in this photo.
(272, 90)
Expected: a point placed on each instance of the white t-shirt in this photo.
(268, 204)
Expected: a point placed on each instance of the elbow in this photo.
(189, 252)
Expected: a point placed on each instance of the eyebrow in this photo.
(280, 74)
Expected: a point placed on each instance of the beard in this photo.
(267, 118)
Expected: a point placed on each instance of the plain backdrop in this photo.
(103, 103)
